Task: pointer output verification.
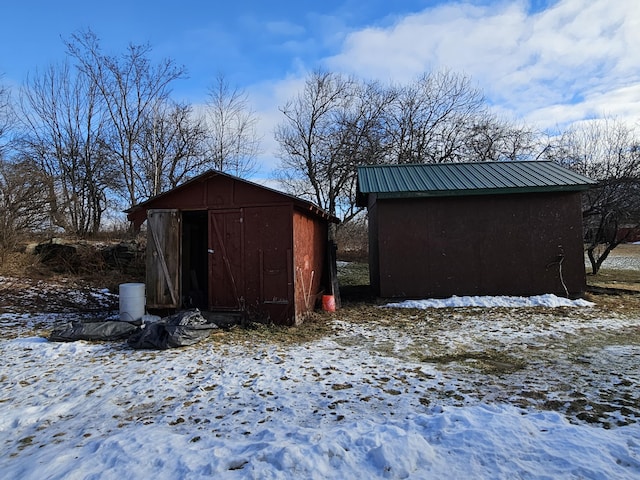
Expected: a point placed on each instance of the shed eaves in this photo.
(479, 178)
(298, 202)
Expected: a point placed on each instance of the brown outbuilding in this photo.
(224, 244)
(486, 228)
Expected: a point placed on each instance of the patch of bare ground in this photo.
(29, 285)
(620, 271)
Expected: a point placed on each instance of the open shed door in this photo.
(163, 259)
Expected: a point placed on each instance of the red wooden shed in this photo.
(485, 228)
(224, 244)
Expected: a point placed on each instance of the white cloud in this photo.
(549, 67)
(569, 62)
(266, 98)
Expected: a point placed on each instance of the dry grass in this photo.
(616, 279)
(89, 269)
(611, 276)
(353, 274)
(315, 327)
(20, 264)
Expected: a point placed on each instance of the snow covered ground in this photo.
(492, 302)
(475, 392)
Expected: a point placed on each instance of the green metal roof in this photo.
(479, 178)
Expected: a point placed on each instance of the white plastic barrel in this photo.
(132, 301)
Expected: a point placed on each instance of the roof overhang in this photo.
(138, 213)
(470, 179)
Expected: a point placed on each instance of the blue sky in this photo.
(545, 62)
(249, 41)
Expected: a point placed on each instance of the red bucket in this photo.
(328, 303)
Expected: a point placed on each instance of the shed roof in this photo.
(304, 205)
(478, 178)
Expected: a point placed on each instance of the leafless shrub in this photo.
(23, 208)
(353, 240)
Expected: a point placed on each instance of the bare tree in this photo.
(607, 151)
(6, 117)
(309, 137)
(232, 142)
(23, 208)
(334, 124)
(131, 87)
(171, 149)
(429, 119)
(64, 127)
(492, 139)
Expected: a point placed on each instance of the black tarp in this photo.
(78, 330)
(179, 330)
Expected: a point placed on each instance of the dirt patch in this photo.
(54, 295)
(491, 362)
(620, 271)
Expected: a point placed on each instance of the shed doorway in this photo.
(195, 279)
(212, 264)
